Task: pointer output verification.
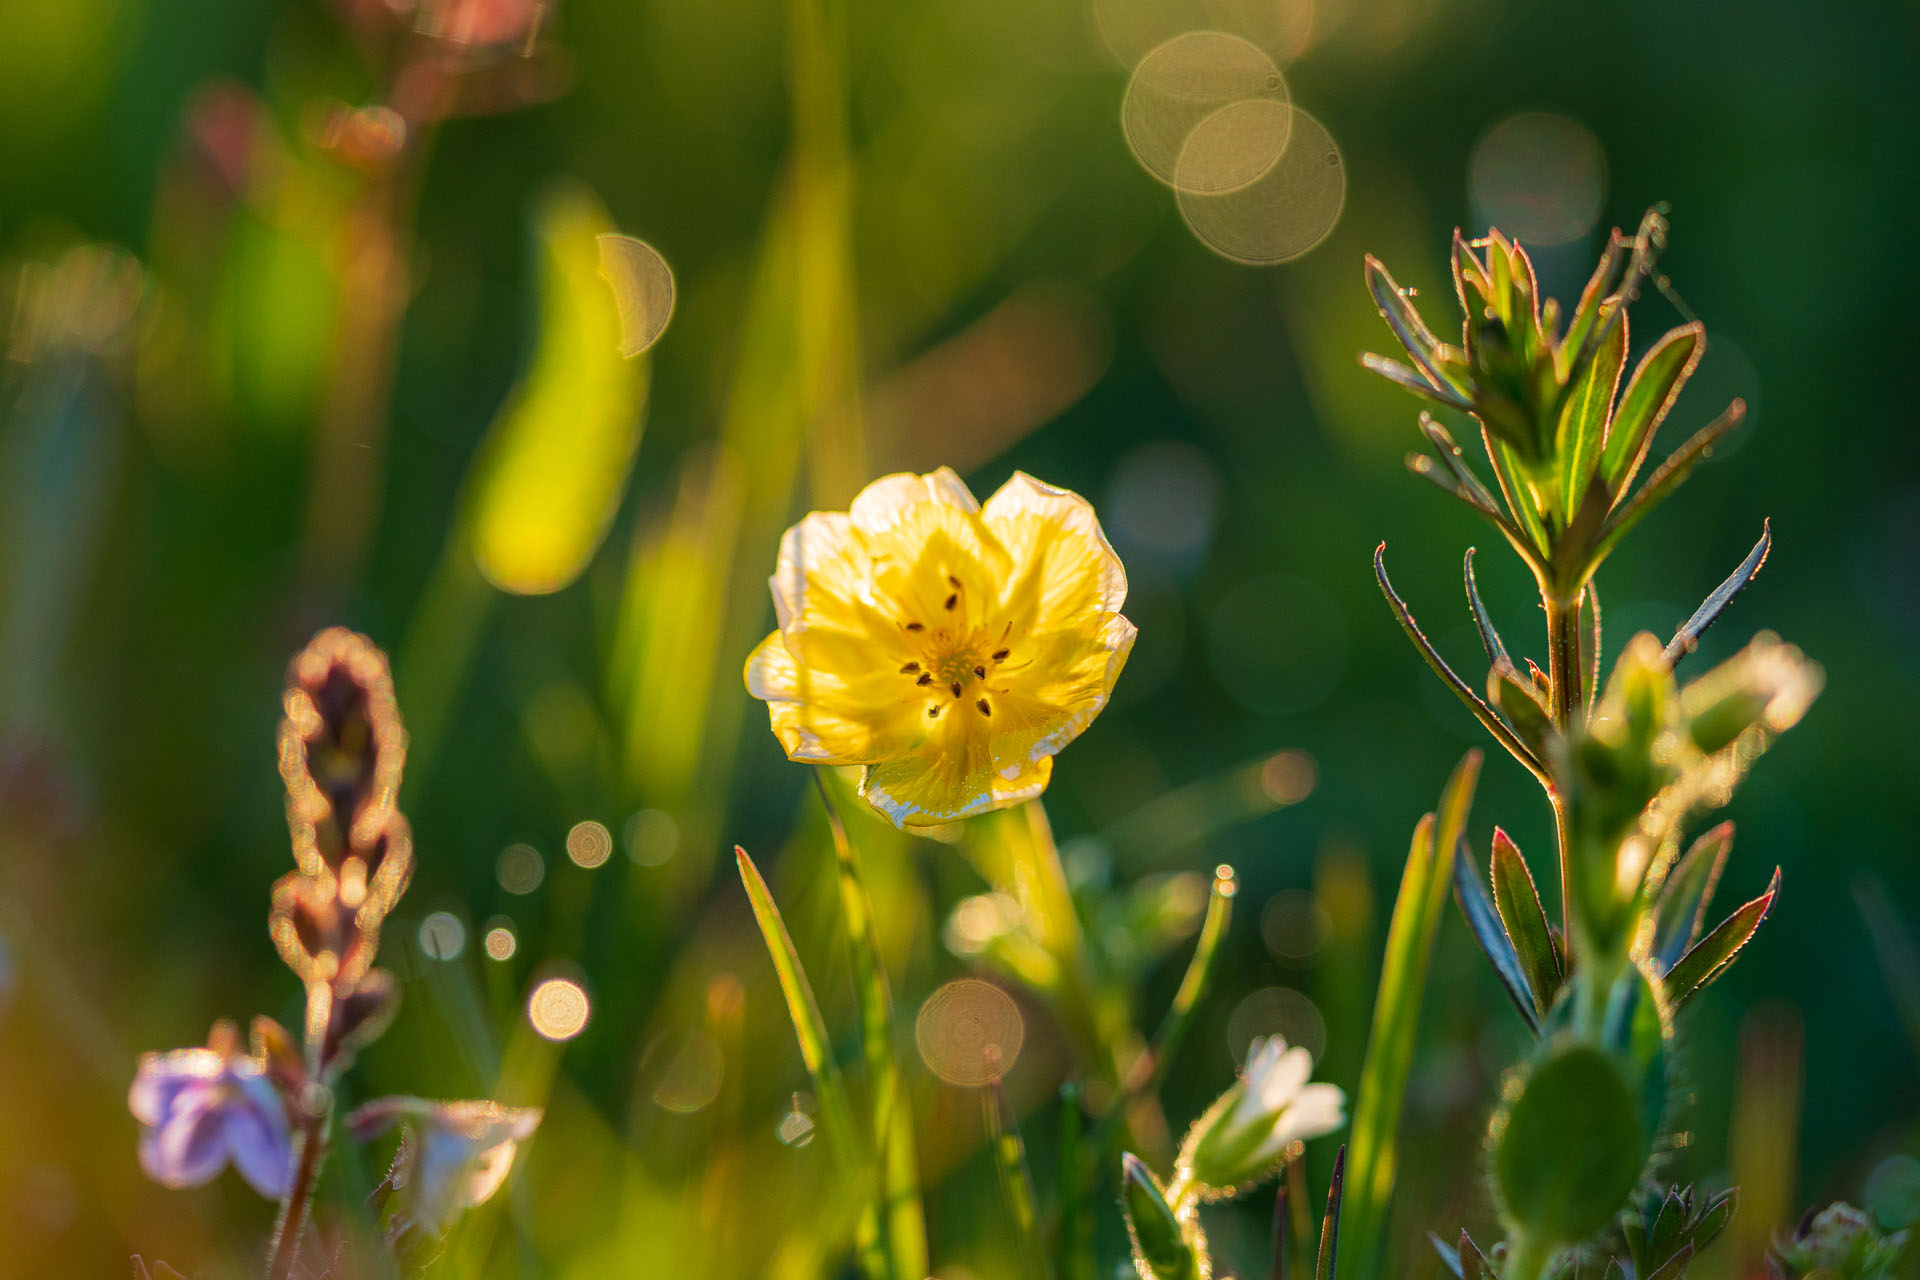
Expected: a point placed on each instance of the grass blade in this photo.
(836, 1115)
(1016, 1178)
(1894, 948)
(1074, 1248)
(1424, 887)
(1687, 638)
(1330, 1224)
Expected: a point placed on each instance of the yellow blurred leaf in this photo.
(556, 460)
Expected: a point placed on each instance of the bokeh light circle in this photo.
(1186, 81)
(558, 1008)
(651, 837)
(969, 1032)
(643, 290)
(589, 844)
(520, 869)
(1280, 1011)
(1539, 177)
(443, 936)
(1284, 212)
(500, 942)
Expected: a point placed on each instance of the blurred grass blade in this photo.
(1687, 638)
(1710, 956)
(892, 1125)
(1666, 478)
(1330, 1224)
(1489, 638)
(836, 1115)
(1424, 887)
(1893, 946)
(1655, 385)
(1278, 1270)
(1074, 1249)
(1517, 900)
(1681, 910)
(1475, 703)
(1016, 1178)
(551, 473)
(1499, 948)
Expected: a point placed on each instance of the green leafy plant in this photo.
(1628, 768)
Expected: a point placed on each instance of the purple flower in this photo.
(203, 1107)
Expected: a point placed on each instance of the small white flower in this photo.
(1246, 1134)
(454, 1155)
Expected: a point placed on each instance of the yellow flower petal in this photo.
(822, 597)
(822, 718)
(1067, 567)
(927, 790)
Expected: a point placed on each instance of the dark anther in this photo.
(953, 600)
(1000, 655)
(915, 626)
(981, 672)
(953, 582)
(985, 709)
(909, 669)
(955, 686)
(933, 713)
(926, 678)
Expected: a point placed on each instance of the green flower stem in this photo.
(1527, 1257)
(894, 1148)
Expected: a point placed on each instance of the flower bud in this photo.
(1768, 685)
(1245, 1135)
(1164, 1248)
(1839, 1241)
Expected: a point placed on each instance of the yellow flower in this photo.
(950, 649)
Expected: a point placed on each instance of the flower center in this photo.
(957, 658)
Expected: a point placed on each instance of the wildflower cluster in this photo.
(270, 1110)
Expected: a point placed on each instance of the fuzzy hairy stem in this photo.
(295, 1208)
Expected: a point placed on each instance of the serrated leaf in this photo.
(1585, 411)
(1484, 924)
(1682, 907)
(1517, 900)
(1709, 957)
(1655, 385)
(1687, 638)
(1474, 1264)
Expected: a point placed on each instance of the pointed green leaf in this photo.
(1714, 1218)
(1584, 414)
(1666, 478)
(1473, 1263)
(1424, 887)
(1409, 380)
(1517, 900)
(1485, 927)
(1489, 638)
(1523, 499)
(1399, 313)
(1687, 638)
(1475, 703)
(1709, 957)
(1675, 1266)
(1586, 315)
(1449, 1256)
(1650, 393)
(1681, 911)
(1161, 1250)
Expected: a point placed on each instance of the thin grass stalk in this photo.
(1016, 1178)
(1074, 1247)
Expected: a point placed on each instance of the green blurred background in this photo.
(204, 455)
